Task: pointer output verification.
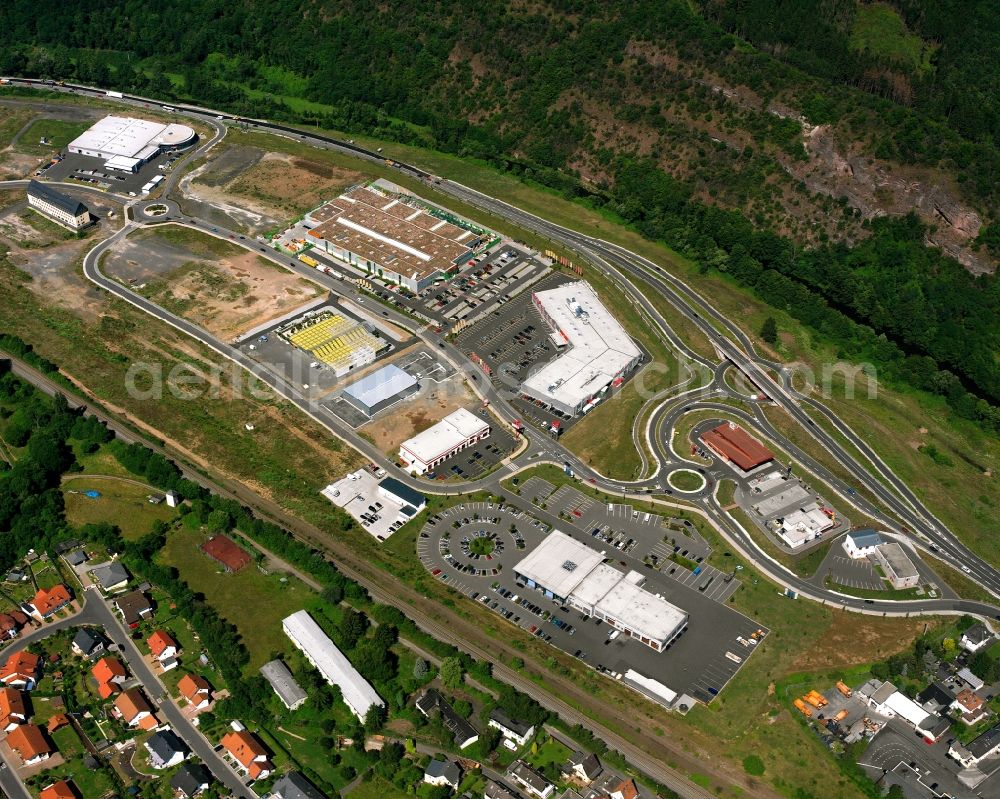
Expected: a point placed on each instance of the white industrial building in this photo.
(598, 356)
(336, 669)
(379, 390)
(804, 524)
(58, 207)
(569, 571)
(899, 569)
(457, 431)
(126, 143)
(886, 700)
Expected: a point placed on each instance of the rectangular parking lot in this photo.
(700, 662)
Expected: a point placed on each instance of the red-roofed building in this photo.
(162, 645)
(49, 600)
(11, 624)
(12, 709)
(224, 550)
(248, 754)
(30, 744)
(57, 721)
(625, 790)
(20, 670)
(58, 790)
(731, 442)
(196, 690)
(135, 710)
(110, 670)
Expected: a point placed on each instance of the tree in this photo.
(353, 626)
(374, 718)
(420, 669)
(896, 792)
(451, 672)
(769, 331)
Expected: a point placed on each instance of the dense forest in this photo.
(660, 111)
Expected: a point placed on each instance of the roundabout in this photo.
(686, 481)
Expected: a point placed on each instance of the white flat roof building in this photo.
(457, 431)
(125, 142)
(804, 524)
(599, 352)
(336, 669)
(568, 570)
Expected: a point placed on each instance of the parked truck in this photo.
(817, 699)
(803, 708)
(118, 95)
(309, 260)
(844, 689)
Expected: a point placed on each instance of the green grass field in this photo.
(878, 29)
(376, 788)
(121, 503)
(686, 481)
(272, 599)
(57, 132)
(194, 241)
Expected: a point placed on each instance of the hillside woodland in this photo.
(840, 159)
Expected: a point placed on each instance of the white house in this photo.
(862, 543)
(516, 732)
(443, 772)
(976, 638)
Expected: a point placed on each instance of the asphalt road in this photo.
(621, 266)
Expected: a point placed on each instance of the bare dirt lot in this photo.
(852, 639)
(263, 190)
(415, 415)
(219, 286)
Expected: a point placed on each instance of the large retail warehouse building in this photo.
(126, 143)
(598, 355)
(569, 571)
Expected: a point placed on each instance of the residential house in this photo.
(134, 709)
(497, 790)
(443, 772)
(12, 709)
(862, 543)
(112, 576)
(936, 697)
(30, 743)
(582, 768)
(11, 624)
(624, 790)
(89, 643)
(48, 601)
(984, 746)
(190, 780)
(248, 754)
(970, 706)
(76, 558)
(133, 608)
(430, 701)
(58, 790)
(515, 733)
(196, 690)
(21, 670)
(533, 782)
(976, 637)
(166, 749)
(162, 646)
(295, 786)
(109, 673)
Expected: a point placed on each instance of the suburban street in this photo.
(96, 611)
